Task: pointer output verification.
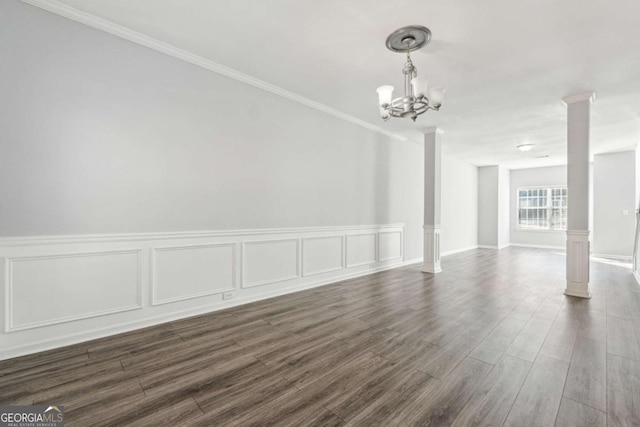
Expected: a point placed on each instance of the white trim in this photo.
(627, 258)
(457, 251)
(96, 333)
(581, 233)
(526, 245)
(139, 237)
(585, 96)
(9, 324)
(487, 247)
(538, 230)
(413, 261)
(430, 227)
(637, 277)
(121, 31)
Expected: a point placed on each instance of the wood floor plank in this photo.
(490, 404)
(574, 414)
(539, 399)
(442, 405)
(530, 339)
(623, 391)
(492, 348)
(587, 377)
(561, 339)
(446, 358)
(593, 327)
(621, 338)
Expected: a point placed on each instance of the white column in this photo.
(578, 115)
(432, 162)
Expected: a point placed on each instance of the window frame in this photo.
(549, 207)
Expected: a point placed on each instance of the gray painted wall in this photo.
(614, 193)
(504, 196)
(459, 204)
(101, 135)
(488, 194)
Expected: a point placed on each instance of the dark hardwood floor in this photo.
(489, 341)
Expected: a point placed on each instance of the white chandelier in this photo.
(418, 98)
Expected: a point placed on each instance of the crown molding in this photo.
(585, 96)
(118, 30)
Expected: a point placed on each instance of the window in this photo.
(542, 208)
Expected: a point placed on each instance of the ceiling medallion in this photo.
(418, 98)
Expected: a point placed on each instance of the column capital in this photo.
(585, 96)
(433, 129)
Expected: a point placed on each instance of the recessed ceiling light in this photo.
(525, 147)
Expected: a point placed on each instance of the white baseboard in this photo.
(444, 254)
(616, 257)
(457, 251)
(487, 247)
(526, 245)
(637, 276)
(119, 283)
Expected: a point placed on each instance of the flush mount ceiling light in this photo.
(418, 98)
(525, 147)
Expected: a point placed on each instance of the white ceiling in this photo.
(506, 63)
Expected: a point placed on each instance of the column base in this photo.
(431, 249)
(578, 250)
(431, 269)
(576, 293)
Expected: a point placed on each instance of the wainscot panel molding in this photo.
(322, 254)
(184, 272)
(361, 249)
(389, 245)
(270, 261)
(47, 290)
(61, 290)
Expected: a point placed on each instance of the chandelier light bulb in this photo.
(436, 96)
(420, 86)
(385, 93)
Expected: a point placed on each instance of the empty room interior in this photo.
(300, 213)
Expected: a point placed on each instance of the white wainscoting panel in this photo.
(389, 245)
(45, 290)
(361, 249)
(61, 290)
(322, 254)
(184, 272)
(270, 261)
